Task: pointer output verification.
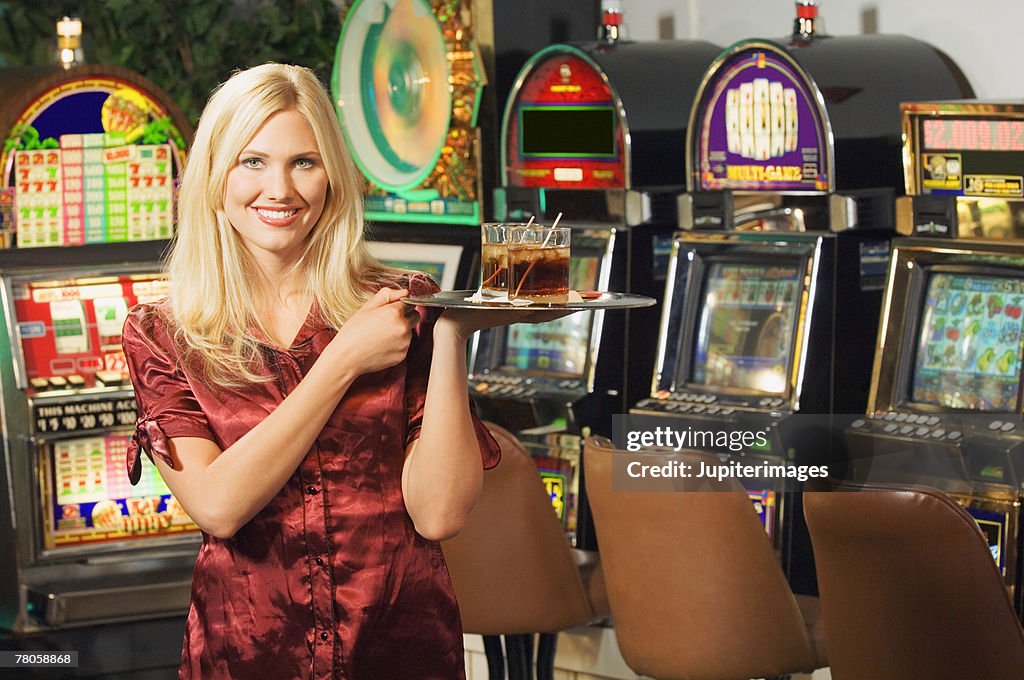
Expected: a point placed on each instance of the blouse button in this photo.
(312, 490)
(324, 636)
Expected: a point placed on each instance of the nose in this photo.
(279, 184)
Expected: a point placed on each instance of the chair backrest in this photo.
(512, 567)
(909, 588)
(695, 589)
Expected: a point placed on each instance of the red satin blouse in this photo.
(329, 580)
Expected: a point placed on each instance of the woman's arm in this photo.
(222, 490)
(443, 475)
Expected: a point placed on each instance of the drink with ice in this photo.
(538, 259)
(494, 258)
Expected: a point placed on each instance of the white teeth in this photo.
(277, 214)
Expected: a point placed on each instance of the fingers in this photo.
(386, 296)
(411, 314)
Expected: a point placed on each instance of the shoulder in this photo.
(149, 324)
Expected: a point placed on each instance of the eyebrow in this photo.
(257, 152)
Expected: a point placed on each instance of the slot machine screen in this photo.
(88, 501)
(746, 324)
(568, 131)
(439, 261)
(73, 326)
(559, 347)
(969, 342)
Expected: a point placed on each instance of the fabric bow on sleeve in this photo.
(149, 437)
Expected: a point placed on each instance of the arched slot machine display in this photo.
(594, 131)
(89, 162)
(945, 404)
(408, 80)
(775, 285)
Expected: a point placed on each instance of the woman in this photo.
(313, 425)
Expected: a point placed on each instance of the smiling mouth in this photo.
(277, 214)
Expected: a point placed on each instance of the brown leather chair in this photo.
(512, 567)
(909, 588)
(696, 591)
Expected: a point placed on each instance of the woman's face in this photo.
(276, 191)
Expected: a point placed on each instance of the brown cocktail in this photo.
(538, 259)
(494, 258)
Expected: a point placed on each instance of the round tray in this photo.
(591, 300)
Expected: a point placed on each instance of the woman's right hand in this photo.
(377, 336)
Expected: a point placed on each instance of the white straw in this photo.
(551, 230)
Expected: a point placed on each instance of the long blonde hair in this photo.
(211, 272)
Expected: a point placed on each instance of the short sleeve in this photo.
(167, 406)
(418, 362)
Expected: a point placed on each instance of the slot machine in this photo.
(945, 403)
(772, 302)
(594, 131)
(87, 561)
(409, 87)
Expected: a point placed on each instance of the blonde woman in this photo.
(314, 426)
